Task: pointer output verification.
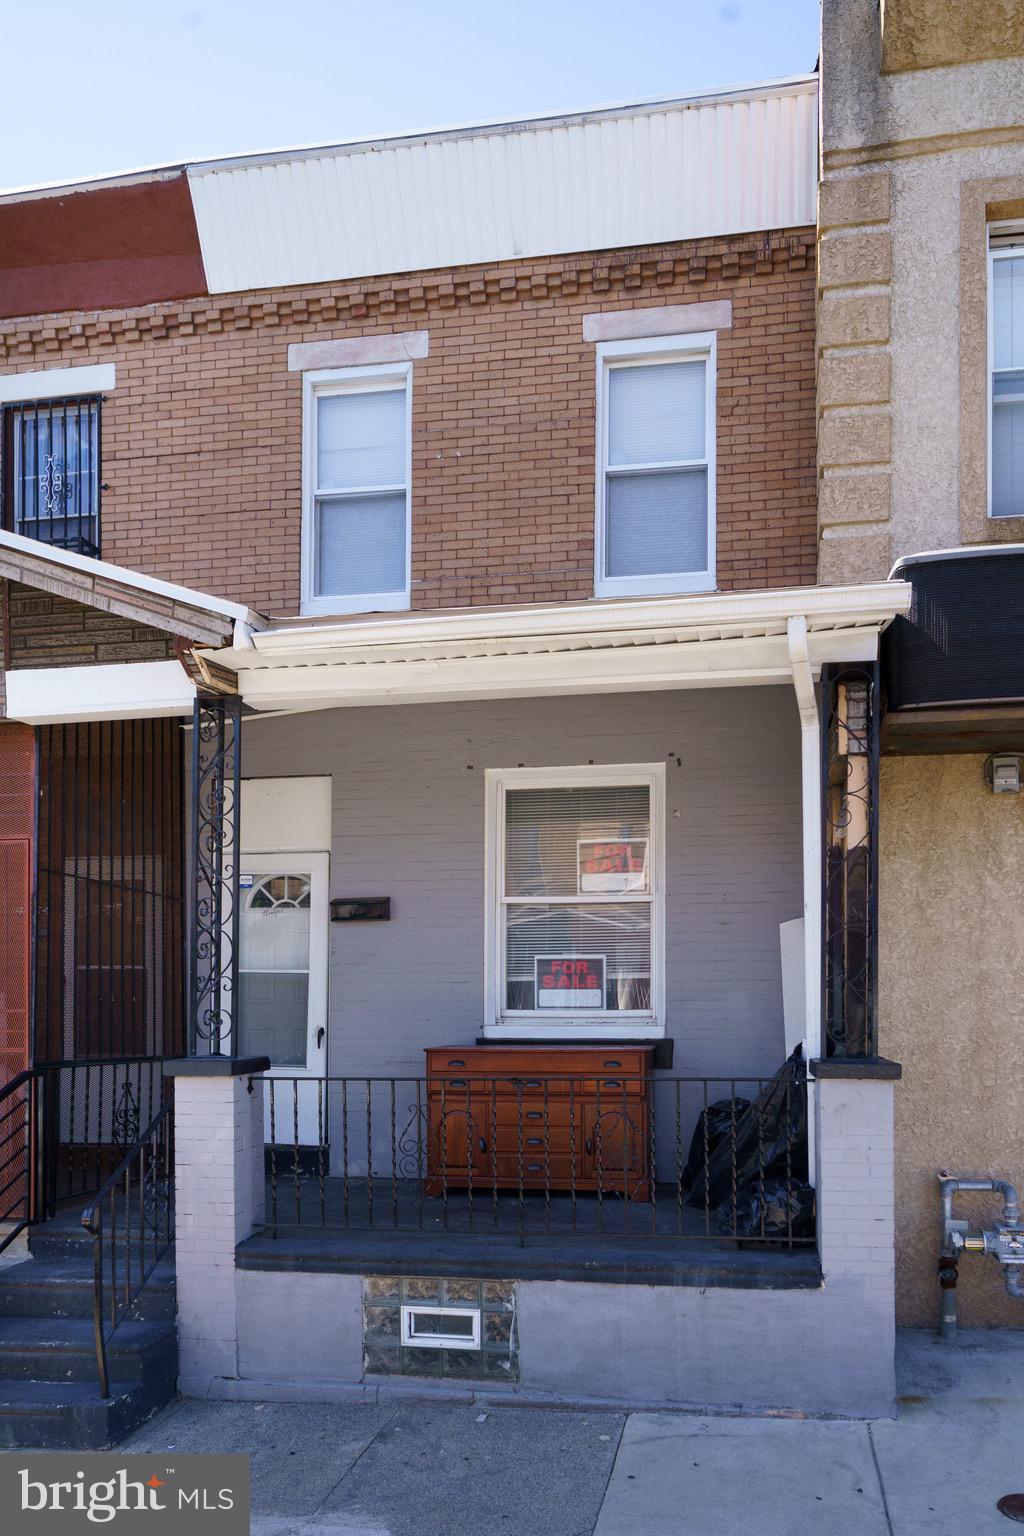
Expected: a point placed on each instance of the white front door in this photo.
(282, 981)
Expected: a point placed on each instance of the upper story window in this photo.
(356, 529)
(1006, 367)
(51, 478)
(576, 942)
(656, 466)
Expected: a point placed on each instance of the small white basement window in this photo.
(656, 466)
(357, 514)
(575, 943)
(1006, 371)
(428, 1327)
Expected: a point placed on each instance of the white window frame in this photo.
(339, 381)
(411, 1339)
(693, 346)
(993, 255)
(501, 1023)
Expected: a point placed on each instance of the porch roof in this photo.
(197, 617)
(721, 640)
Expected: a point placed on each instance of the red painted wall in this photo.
(103, 248)
(17, 797)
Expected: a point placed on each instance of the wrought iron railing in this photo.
(691, 1158)
(850, 763)
(131, 1223)
(18, 1182)
(91, 1112)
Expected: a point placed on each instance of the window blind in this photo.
(656, 413)
(360, 440)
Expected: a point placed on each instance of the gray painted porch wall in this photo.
(408, 822)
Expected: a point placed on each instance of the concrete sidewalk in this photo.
(431, 1469)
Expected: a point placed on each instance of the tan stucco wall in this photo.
(951, 1010)
(925, 34)
(912, 165)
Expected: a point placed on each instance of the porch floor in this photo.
(397, 1230)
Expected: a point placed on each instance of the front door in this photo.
(282, 979)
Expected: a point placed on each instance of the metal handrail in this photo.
(154, 1197)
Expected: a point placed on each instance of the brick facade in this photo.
(202, 436)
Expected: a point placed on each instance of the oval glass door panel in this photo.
(274, 949)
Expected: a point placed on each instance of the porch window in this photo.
(1006, 363)
(356, 529)
(656, 466)
(51, 480)
(576, 915)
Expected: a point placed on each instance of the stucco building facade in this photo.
(922, 169)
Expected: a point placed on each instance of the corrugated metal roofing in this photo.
(679, 170)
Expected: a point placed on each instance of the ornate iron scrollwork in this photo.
(126, 1117)
(850, 854)
(216, 780)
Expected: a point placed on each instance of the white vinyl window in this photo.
(656, 466)
(1006, 371)
(575, 923)
(356, 525)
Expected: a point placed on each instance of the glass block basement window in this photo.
(577, 900)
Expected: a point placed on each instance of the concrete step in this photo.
(71, 1415)
(62, 1349)
(64, 1288)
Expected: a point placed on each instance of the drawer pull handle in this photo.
(607, 1063)
(462, 1063)
(590, 1148)
(534, 1141)
(534, 1114)
(456, 1082)
(534, 1168)
(532, 1082)
(483, 1145)
(612, 1082)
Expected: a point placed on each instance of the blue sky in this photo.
(105, 86)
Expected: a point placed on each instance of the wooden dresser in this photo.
(560, 1117)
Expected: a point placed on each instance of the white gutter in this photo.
(810, 775)
(103, 570)
(874, 603)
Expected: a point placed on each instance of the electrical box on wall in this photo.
(361, 909)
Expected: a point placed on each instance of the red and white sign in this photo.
(612, 863)
(569, 981)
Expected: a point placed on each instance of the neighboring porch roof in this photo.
(194, 616)
(722, 640)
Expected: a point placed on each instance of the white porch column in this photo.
(810, 781)
(856, 1228)
(219, 1200)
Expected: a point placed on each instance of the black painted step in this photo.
(64, 1349)
(63, 1287)
(71, 1415)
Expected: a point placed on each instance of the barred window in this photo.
(51, 455)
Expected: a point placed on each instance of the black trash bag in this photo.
(713, 1124)
(786, 1210)
(770, 1140)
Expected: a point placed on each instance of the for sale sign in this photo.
(612, 864)
(570, 981)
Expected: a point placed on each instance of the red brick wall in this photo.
(202, 436)
(17, 815)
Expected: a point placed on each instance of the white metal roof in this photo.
(720, 640)
(725, 163)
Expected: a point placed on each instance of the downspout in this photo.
(810, 778)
